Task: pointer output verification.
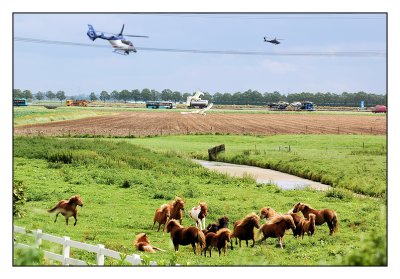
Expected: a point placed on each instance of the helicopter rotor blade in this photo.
(140, 36)
(122, 30)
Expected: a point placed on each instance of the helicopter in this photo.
(117, 41)
(274, 41)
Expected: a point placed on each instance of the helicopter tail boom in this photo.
(91, 33)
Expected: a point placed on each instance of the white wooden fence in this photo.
(67, 243)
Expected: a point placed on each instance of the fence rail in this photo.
(67, 243)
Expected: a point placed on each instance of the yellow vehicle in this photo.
(77, 103)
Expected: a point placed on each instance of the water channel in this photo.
(282, 180)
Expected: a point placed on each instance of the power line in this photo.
(231, 52)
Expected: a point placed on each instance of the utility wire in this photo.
(202, 51)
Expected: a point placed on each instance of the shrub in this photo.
(19, 198)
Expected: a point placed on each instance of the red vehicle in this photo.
(379, 109)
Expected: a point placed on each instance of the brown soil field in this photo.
(148, 123)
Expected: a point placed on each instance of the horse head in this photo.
(171, 224)
(76, 200)
(203, 208)
(179, 203)
(296, 208)
(267, 212)
(223, 222)
(212, 228)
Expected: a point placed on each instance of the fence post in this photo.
(100, 255)
(66, 249)
(38, 238)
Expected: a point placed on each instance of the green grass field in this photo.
(122, 183)
(356, 163)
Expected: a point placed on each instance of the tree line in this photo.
(249, 97)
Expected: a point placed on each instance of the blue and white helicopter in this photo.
(117, 41)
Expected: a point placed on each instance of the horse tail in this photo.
(201, 239)
(53, 209)
(335, 222)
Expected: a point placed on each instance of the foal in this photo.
(161, 216)
(308, 226)
(222, 223)
(198, 214)
(276, 227)
(321, 216)
(176, 209)
(218, 240)
(142, 243)
(68, 208)
(185, 236)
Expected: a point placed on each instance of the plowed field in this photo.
(148, 123)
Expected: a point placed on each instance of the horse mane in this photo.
(303, 205)
(175, 222)
(176, 201)
(74, 199)
(225, 231)
(164, 207)
(279, 218)
(142, 237)
(249, 218)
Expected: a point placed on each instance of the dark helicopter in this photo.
(274, 41)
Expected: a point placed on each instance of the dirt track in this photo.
(160, 123)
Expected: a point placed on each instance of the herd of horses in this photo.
(217, 235)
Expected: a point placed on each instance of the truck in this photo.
(196, 102)
(77, 103)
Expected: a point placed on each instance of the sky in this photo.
(289, 67)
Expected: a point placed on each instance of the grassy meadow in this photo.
(352, 162)
(123, 181)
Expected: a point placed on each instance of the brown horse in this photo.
(268, 212)
(176, 209)
(218, 240)
(308, 226)
(321, 216)
(244, 229)
(276, 227)
(142, 243)
(161, 216)
(68, 208)
(222, 223)
(185, 236)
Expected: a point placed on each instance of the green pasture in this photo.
(122, 184)
(353, 162)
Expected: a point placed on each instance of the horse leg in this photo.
(240, 243)
(56, 217)
(159, 225)
(247, 243)
(66, 220)
(76, 219)
(280, 242)
(194, 248)
(204, 222)
(153, 225)
(254, 242)
(330, 225)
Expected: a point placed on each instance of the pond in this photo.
(263, 176)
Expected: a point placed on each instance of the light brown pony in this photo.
(176, 209)
(185, 236)
(142, 243)
(308, 226)
(276, 227)
(161, 216)
(68, 208)
(268, 212)
(244, 229)
(321, 216)
(218, 240)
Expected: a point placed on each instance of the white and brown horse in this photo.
(142, 243)
(198, 214)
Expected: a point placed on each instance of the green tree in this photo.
(50, 95)
(166, 95)
(27, 94)
(136, 96)
(17, 93)
(176, 96)
(104, 96)
(60, 95)
(146, 95)
(155, 95)
(39, 96)
(115, 95)
(93, 97)
(125, 95)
